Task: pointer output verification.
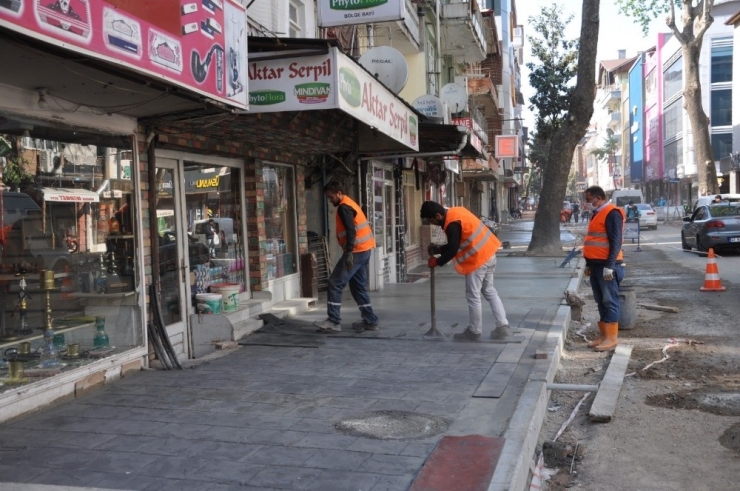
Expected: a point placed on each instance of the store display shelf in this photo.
(33, 337)
(102, 295)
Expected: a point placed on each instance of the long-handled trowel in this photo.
(433, 333)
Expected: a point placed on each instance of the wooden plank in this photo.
(495, 382)
(661, 308)
(605, 402)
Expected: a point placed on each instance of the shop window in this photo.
(412, 205)
(383, 209)
(68, 255)
(280, 220)
(722, 61)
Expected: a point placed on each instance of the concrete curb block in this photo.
(512, 470)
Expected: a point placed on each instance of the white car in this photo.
(648, 218)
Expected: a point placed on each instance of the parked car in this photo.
(648, 218)
(707, 200)
(712, 226)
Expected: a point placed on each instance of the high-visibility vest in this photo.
(596, 243)
(364, 239)
(477, 243)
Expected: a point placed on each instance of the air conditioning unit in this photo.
(46, 159)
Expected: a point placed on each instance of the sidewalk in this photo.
(264, 416)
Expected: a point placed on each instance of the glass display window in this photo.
(280, 220)
(69, 278)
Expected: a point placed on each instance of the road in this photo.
(676, 421)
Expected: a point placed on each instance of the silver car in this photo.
(712, 226)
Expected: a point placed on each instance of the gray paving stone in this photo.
(135, 444)
(276, 437)
(315, 425)
(178, 485)
(67, 477)
(129, 482)
(224, 434)
(284, 477)
(224, 472)
(180, 430)
(19, 473)
(393, 483)
(120, 462)
(173, 467)
(237, 487)
(391, 464)
(417, 449)
(319, 440)
(224, 451)
(337, 459)
(445, 410)
(388, 447)
(344, 481)
(258, 408)
(280, 455)
(313, 412)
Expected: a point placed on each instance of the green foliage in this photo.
(611, 145)
(539, 148)
(644, 11)
(15, 174)
(553, 75)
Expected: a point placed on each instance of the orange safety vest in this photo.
(364, 239)
(596, 243)
(477, 243)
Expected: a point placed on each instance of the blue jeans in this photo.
(357, 279)
(606, 293)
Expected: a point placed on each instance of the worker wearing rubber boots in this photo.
(356, 238)
(471, 247)
(602, 249)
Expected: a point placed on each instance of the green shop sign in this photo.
(355, 4)
(349, 87)
(312, 93)
(266, 97)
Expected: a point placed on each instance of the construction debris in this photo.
(660, 308)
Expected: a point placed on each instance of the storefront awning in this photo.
(67, 195)
(311, 79)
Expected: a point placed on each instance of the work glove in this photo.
(608, 274)
(432, 263)
(587, 271)
(433, 250)
(349, 261)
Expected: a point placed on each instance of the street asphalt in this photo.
(295, 409)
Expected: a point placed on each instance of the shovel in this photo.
(433, 333)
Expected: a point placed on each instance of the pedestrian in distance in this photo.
(357, 241)
(471, 247)
(632, 212)
(576, 211)
(717, 199)
(602, 249)
(210, 238)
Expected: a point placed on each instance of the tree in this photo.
(695, 20)
(568, 128)
(608, 151)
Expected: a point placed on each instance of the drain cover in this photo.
(392, 425)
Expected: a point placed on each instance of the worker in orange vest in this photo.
(471, 247)
(602, 249)
(356, 238)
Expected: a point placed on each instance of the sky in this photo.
(616, 31)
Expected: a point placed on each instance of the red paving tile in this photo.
(460, 463)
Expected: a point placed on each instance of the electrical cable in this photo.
(159, 323)
(157, 346)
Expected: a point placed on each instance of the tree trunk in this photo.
(546, 232)
(703, 152)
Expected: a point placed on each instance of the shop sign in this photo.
(330, 81)
(507, 146)
(201, 182)
(201, 46)
(452, 165)
(473, 138)
(345, 12)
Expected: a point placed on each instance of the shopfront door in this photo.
(174, 261)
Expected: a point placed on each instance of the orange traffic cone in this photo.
(712, 282)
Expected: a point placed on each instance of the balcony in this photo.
(615, 121)
(404, 35)
(610, 96)
(464, 32)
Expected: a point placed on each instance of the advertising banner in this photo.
(345, 12)
(295, 84)
(199, 45)
(368, 101)
(331, 81)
